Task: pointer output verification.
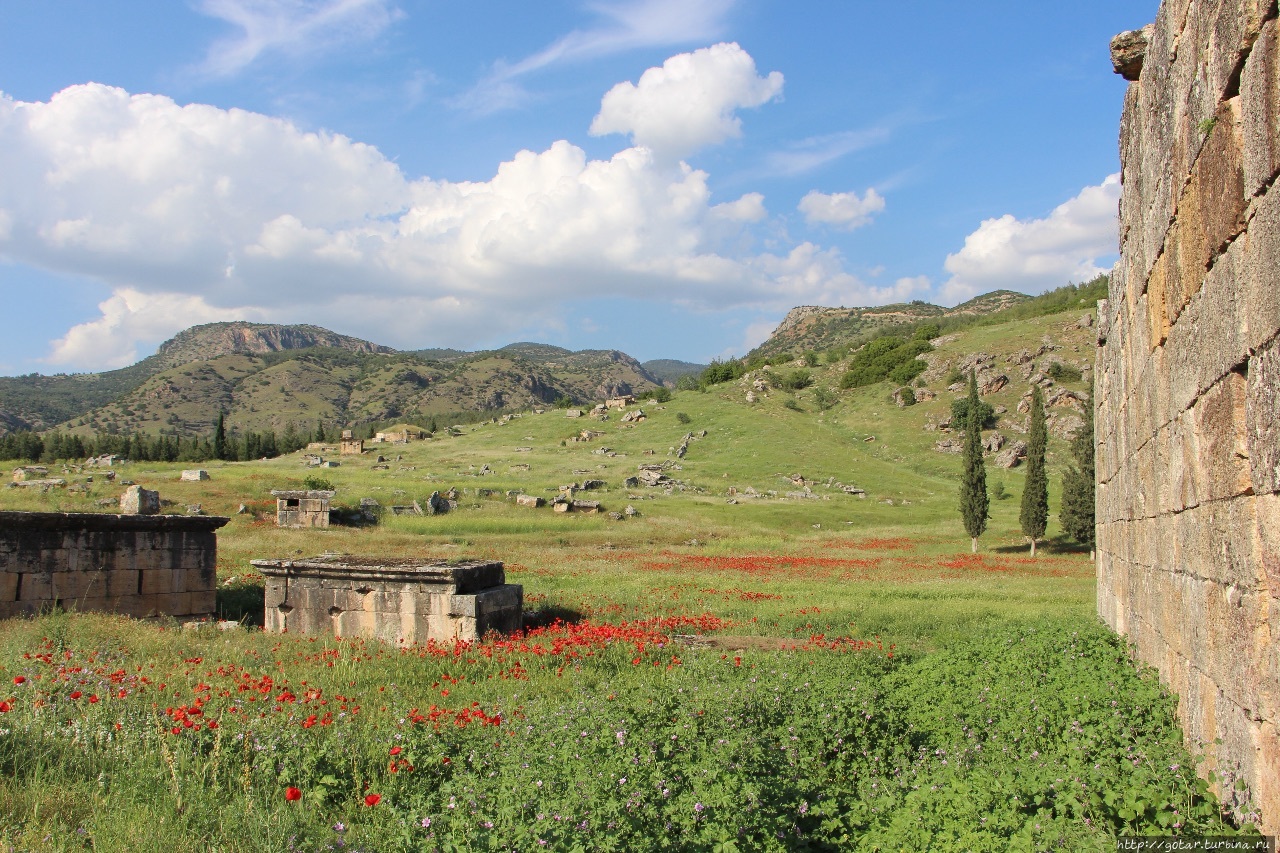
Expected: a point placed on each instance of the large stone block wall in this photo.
(1188, 386)
(138, 565)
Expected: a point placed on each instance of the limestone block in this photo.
(139, 501)
(8, 586)
(1212, 205)
(35, 586)
(204, 601)
(1262, 430)
(1261, 273)
(1231, 29)
(1260, 93)
(1219, 455)
(1267, 520)
(154, 581)
(1209, 338)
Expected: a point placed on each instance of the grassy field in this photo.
(747, 663)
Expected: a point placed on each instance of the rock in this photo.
(588, 507)
(139, 501)
(1000, 410)
(616, 516)
(561, 505)
(630, 511)
(1012, 455)
(195, 509)
(751, 396)
(993, 442)
(631, 482)
(900, 397)
(949, 445)
(923, 395)
(1064, 426)
(242, 509)
(1085, 322)
(195, 475)
(1129, 51)
(956, 387)
(992, 383)
(573, 413)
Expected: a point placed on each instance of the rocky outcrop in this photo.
(1188, 384)
(211, 340)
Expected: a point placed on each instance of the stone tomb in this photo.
(302, 507)
(138, 565)
(398, 601)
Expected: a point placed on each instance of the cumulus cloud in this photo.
(688, 103)
(842, 210)
(1037, 254)
(193, 213)
(130, 316)
(291, 27)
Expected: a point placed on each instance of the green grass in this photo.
(870, 685)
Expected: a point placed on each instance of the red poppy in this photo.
(395, 750)
(372, 799)
(76, 694)
(18, 679)
(93, 699)
(292, 794)
(5, 707)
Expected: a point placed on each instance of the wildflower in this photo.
(19, 679)
(372, 800)
(76, 694)
(5, 707)
(292, 794)
(395, 750)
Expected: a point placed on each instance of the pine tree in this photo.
(220, 437)
(1034, 516)
(974, 503)
(1077, 513)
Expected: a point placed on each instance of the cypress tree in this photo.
(220, 437)
(974, 503)
(1034, 516)
(1077, 513)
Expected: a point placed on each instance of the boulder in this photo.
(530, 501)
(993, 442)
(1129, 51)
(139, 501)
(195, 475)
(1012, 455)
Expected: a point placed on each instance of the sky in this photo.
(663, 177)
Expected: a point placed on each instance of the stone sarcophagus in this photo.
(399, 601)
(138, 565)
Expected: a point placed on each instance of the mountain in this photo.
(264, 377)
(669, 370)
(811, 327)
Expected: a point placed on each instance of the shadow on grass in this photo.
(242, 603)
(1057, 546)
(546, 615)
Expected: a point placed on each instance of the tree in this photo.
(1034, 516)
(220, 437)
(974, 503)
(1077, 513)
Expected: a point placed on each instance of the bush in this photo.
(662, 394)
(824, 399)
(317, 484)
(927, 332)
(907, 395)
(888, 357)
(683, 418)
(790, 403)
(960, 415)
(810, 359)
(796, 380)
(1063, 372)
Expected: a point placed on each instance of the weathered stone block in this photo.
(139, 501)
(1260, 93)
(1219, 454)
(1263, 419)
(1261, 273)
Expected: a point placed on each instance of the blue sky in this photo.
(665, 177)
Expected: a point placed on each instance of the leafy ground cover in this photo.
(1006, 728)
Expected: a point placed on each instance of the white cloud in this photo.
(688, 103)
(817, 151)
(128, 317)
(292, 27)
(843, 210)
(194, 213)
(1038, 254)
(624, 26)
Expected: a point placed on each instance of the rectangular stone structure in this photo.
(1188, 387)
(302, 507)
(400, 601)
(138, 565)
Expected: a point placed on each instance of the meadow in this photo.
(746, 663)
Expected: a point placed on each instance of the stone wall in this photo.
(139, 565)
(1188, 383)
(398, 601)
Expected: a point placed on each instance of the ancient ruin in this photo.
(138, 565)
(302, 507)
(399, 601)
(1188, 383)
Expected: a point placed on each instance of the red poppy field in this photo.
(847, 694)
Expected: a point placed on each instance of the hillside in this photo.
(811, 327)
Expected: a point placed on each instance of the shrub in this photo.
(790, 403)
(1063, 372)
(796, 380)
(810, 359)
(317, 484)
(824, 399)
(960, 415)
(907, 395)
(888, 357)
(662, 394)
(683, 418)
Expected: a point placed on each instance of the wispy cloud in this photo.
(622, 26)
(291, 27)
(806, 155)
